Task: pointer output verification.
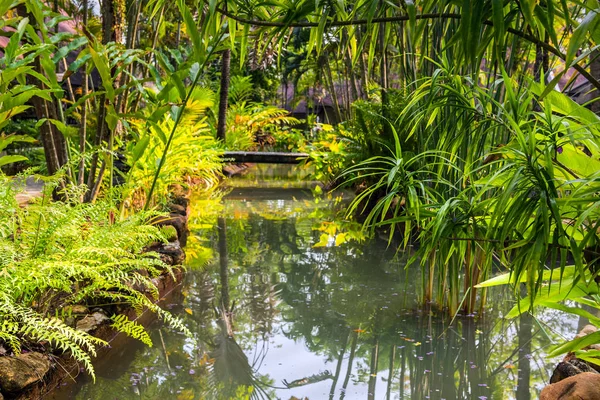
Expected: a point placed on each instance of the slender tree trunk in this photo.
(350, 362)
(132, 26)
(384, 81)
(542, 61)
(113, 21)
(52, 139)
(223, 262)
(363, 68)
(224, 94)
(332, 90)
(84, 109)
(351, 75)
(391, 371)
(373, 369)
(595, 72)
(339, 366)
(524, 364)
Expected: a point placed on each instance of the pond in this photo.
(284, 303)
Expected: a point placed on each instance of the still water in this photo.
(284, 304)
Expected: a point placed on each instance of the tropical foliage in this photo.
(55, 255)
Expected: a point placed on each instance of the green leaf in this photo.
(579, 36)
(4, 160)
(139, 149)
(10, 51)
(65, 50)
(576, 344)
(103, 68)
(8, 140)
(498, 20)
(506, 279)
(192, 29)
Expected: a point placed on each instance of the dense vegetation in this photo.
(456, 121)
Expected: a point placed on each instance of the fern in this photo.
(131, 328)
(58, 254)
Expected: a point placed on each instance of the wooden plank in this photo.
(261, 157)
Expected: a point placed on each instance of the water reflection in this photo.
(276, 317)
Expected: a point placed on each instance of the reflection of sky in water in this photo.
(297, 307)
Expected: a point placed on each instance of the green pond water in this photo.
(276, 317)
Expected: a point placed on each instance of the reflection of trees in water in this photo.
(232, 375)
(345, 305)
(344, 302)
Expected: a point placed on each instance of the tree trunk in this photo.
(338, 368)
(524, 364)
(113, 21)
(373, 369)
(595, 72)
(52, 139)
(350, 362)
(332, 90)
(84, 109)
(223, 263)
(224, 94)
(384, 82)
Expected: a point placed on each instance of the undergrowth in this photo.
(55, 254)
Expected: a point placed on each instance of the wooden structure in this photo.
(261, 157)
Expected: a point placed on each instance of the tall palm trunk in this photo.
(224, 94)
(223, 263)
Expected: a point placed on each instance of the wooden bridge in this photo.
(262, 157)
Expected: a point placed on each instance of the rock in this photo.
(16, 373)
(566, 369)
(178, 209)
(586, 331)
(77, 309)
(170, 233)
(571, 365)
(170, 253)
(582, 386)
(92, 321)
(179, 222)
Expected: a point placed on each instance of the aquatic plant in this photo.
(502, 182)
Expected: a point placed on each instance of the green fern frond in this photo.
(131, 328)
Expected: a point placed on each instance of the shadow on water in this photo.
(275, 317)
